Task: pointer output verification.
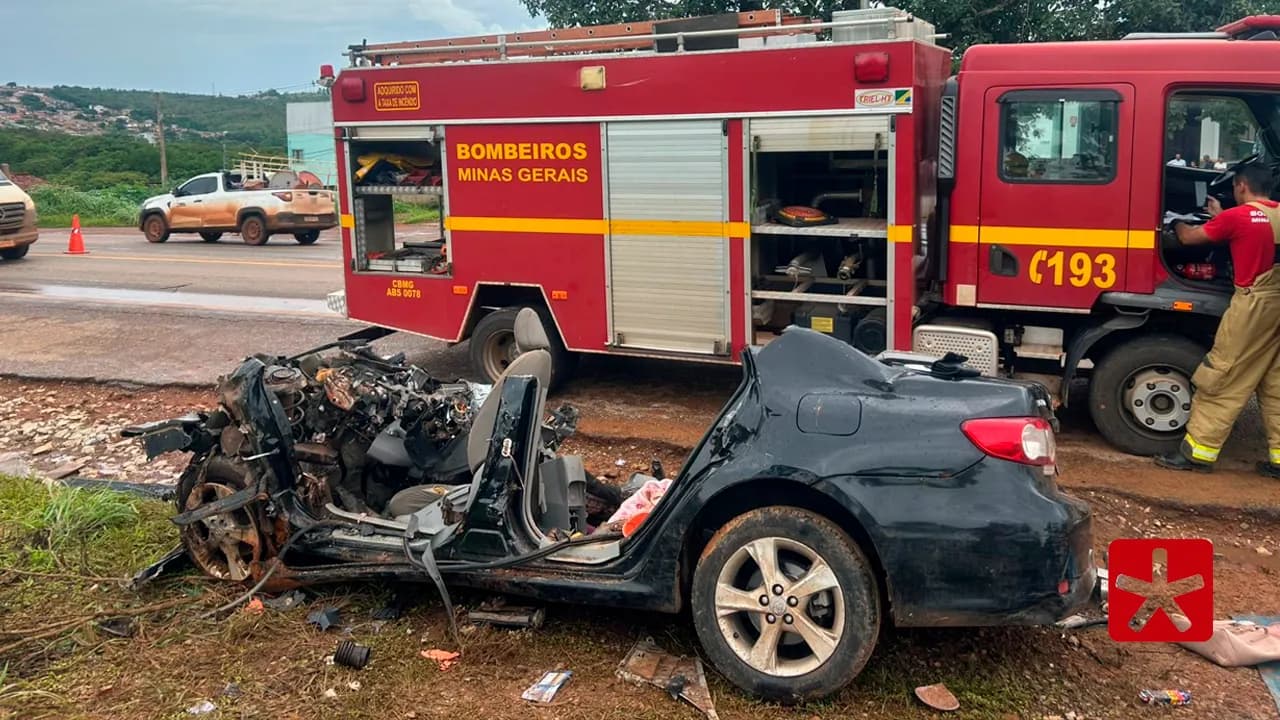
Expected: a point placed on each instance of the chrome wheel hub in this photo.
(1159, 399)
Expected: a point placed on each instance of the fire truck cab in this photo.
(685, 189)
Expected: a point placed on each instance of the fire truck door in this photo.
(667, 250)
(1054, 207)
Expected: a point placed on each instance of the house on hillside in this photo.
(309, 128)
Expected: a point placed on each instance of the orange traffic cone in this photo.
(75, 246)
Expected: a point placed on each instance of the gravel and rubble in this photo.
(54, 429)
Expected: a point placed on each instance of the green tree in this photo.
(966, 22)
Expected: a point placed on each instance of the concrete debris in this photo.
(204, 707)
(1263, 551)
(938, 697)
(43, 449)
(66, 469)
(331, 694)
(12, 463)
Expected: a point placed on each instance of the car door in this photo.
(188, 207)
(1056, 168)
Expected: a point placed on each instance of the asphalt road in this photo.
(181, 312)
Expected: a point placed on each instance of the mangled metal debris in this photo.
(682, 677)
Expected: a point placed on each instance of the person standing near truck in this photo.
(1245, 356)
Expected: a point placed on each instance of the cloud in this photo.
(435, 17)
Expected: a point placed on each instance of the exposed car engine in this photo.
(365, 427)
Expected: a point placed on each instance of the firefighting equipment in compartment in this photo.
(406, 166)
(1245, 357)
(871, 334)
(826, 319)
(803, 216)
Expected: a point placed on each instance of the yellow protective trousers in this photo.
(1245, 358)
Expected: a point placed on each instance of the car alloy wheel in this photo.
(779, 606)
(785, 603)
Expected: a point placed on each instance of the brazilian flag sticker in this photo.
(902, 98)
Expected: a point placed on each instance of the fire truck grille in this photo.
(979, 346)
(12, 215)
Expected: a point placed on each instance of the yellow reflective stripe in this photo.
(529, 225)
(1200, 452)
(1054, 237)
(901, 233)
(964, 234)
(347, 220)
(582, 226)
(1275, 456)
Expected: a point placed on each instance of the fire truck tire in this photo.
(493, 346)
(1140, 393)
(253, 230)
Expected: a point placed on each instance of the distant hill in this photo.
(253, 120)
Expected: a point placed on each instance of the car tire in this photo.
(215, 478)
(155, 229)
(492, 347)
(1140, 393)
(15, 253)
(210, 236)
(307, 238)
(253, 230)
(843, 617)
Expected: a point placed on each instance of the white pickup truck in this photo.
(221, 202)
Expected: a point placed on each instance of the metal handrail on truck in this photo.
(366, 54)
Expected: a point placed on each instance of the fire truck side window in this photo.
(1058, 136)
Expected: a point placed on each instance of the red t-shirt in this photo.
(1252, 243)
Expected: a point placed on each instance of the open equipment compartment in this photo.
(830, 274)
(404, 164)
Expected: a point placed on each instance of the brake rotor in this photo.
(226, 545)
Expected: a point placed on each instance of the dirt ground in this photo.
(277, 662)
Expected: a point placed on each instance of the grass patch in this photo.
(415, 211)
(109, 207)
(47, 527)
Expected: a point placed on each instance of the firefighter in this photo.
(1246, 350)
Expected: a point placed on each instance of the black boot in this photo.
(1177, 461)
(1269, 469)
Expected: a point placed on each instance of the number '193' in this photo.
(1079, 269)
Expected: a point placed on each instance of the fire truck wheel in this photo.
(307, 237)
(155, 229)
(493, 346)
(253, 231)
(1140, 393)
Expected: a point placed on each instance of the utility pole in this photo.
(164, 160)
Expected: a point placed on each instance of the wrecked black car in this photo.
(834, 494)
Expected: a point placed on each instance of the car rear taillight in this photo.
(285, 196)
(1026, 440)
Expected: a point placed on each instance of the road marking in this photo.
(201, 261)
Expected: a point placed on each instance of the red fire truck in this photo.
(685, 189)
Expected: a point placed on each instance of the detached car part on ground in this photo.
(835, 493)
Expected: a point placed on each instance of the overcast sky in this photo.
(235, 46)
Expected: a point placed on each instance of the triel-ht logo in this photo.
(1151, 579)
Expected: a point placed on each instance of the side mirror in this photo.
(176, 192)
